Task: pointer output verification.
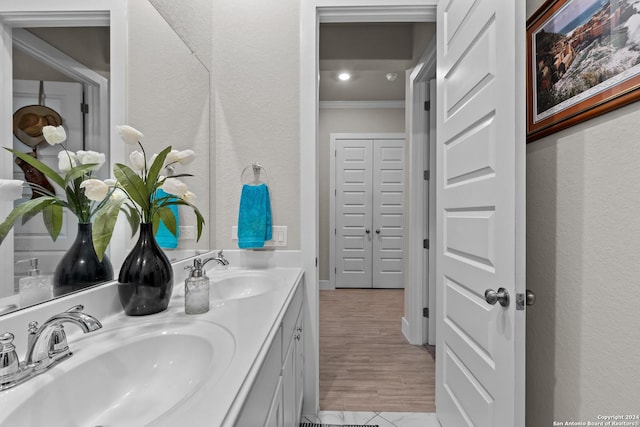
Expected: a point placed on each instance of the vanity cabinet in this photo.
(275, 399)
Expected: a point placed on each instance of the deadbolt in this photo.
(492, 297)
(531, 298)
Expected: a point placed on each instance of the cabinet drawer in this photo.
(290, 318)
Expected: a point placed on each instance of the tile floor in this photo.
(382, 419)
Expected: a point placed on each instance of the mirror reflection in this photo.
(167, 98)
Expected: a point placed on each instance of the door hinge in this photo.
(316, 261)
(335, 153)
(427, 175)
(425, 243)
(84, 108)
(427, 105)
(335, 231)
(425, 312)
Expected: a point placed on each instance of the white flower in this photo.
(183, 157)
(95, 189)
(54, 134)
(90, 157)
(175, 186)
(137, 160)
(111, 182)
(129, 135)
(66, 160)
(117, 195)
(189, 197)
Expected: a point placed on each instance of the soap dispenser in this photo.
(196, 288)
(35, 287)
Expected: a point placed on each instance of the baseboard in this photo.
(325, 285)
(405, 329)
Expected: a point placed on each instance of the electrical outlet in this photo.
(187, 232)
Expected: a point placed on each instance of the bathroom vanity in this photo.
(240, 364)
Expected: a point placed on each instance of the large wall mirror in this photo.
(126, 64)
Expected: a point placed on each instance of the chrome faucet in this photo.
(198, 263)
(46, 346)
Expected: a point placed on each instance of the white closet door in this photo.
(353, 213)
(388, 207)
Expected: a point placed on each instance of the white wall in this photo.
(256, 94)
(168, 101)
(583, 199)
(343, 120)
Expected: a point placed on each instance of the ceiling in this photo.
(369, 51)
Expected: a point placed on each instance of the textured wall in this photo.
(256, 94)
(342, 120)
(582, 262)
(168, 100)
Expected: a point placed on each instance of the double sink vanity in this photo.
(240, 364)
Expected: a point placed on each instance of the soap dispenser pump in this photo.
(196, 288)
(35, 287)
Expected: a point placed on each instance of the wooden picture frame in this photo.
(583, 60)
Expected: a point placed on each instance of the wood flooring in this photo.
(366, 363)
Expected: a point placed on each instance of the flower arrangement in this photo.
(75, 170)
(133, 191)
(135, 188)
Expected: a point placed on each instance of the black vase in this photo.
(80, 267)
(146, 277)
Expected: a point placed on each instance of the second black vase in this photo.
(80, 267)
(146, 277)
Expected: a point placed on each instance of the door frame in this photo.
(332, 189)
(312, 13)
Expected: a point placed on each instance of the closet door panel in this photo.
(354, 163)
(388, 208)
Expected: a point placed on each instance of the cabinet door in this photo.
(388, 207)
(274, 418)
(289, 386)
(298, 341)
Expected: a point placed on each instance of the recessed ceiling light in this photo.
(344, 76)
(392, 76)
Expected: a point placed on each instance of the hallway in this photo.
(366, 363)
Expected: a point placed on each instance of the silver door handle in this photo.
(530, 298)
(492, 297)
(367, 231)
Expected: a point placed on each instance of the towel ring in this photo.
(258, 169)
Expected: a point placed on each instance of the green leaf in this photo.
(156, 167)
(78, 172)
(103, 225)
(133, 218)
(156, 223)
(23, 208)
(49, 173)
(133, 185)
(52, 216)
(168, 219)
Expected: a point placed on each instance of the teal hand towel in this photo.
(254, 218)
(164, 237)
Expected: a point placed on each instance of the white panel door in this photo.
(480, 206)
(388, 207)
(353, 213)
(32, 240)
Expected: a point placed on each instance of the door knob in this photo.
(530, 298)
(492, 297)
(367, 231)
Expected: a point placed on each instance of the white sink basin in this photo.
(124, 377)
(244, 285)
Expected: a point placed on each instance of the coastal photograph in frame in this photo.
(583, 59)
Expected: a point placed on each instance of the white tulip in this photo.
(189, 197)
(117, 195)
(66, 161)
(137, 160)
(95, 189)
(172, 157)
(129, 135)
(175, 186)
(90, 157)
(54, 134)
(111, 182)
(186, 156)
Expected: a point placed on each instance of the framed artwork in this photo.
(583, 60)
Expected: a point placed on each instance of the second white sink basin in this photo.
(124, 377)
(244, 285)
